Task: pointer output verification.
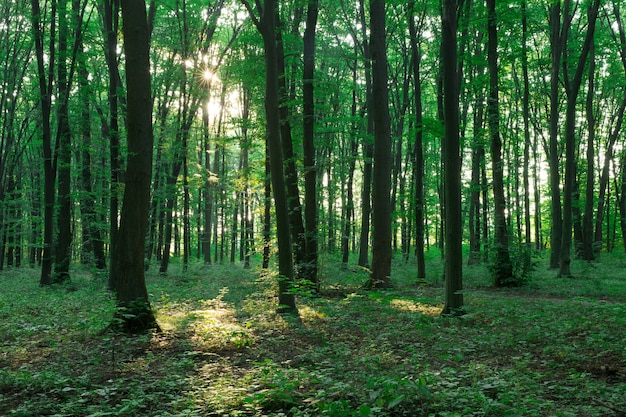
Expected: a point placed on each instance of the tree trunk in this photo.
(368, 148)
(63, 158)
(381, 186)
(587, 220)
(452, 162)
(553, 154)
(503, 269)
(621, 201)
(45, 99)
(290, 171)
(93, 243)
(352, 156)
(309, 272)
(526, 117)
(267, 26)
(418, 157)
(128, 270)
(572, 89)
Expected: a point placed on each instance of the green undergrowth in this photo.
(554, 347)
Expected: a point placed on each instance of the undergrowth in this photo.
(553, 347)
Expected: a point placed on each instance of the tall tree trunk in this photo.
(289, 160)
(587, 226)
(63, 156)
(352, 156)
(267, 26)
(619, 117)
(452, 162)
(418, 157)
(45, 100)
(207, 189)
(309, 272)
(128, 270)
(93, 243)
(553, 154)
(110, 18)
(572, 89)
(368, 148)
(621, 201)
(526, 117)
(381, 186)
(478, 162)
(503, 268)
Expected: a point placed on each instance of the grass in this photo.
(555, 347)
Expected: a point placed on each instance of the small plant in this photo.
(522, 260)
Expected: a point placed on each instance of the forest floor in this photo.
(555, 347)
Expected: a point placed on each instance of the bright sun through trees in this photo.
(312, 201)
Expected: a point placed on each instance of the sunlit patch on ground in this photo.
(415, 307)
(308, 313)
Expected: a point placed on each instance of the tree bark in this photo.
(452, 162)
(309, 272)
(368, 148)
(110, 19)
(127, 272)
(63, 158)
(526, 117)
(381, 186)
(572, 89)
(45, 100)
(418, 157)
(503, 269)
(587, 221)
(553, 154)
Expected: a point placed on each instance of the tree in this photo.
(453, 268)
(109, 10)
(45, 101)
(418, 163)
(308, 142)
(381, 186)
(572, 87)
(553, 153)
(267, 27)
(503, 269)
(127, 270)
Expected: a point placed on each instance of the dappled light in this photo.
(413, 306)
(223, 350)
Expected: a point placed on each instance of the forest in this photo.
(321, 207)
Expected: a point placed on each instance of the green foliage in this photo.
(523, 263)
(551, 347)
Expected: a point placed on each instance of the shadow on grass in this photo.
(225, 352)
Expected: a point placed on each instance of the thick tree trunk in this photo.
(63, 157)
(128, 270)
(381, 186)
(268, 28)
(453, 268)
